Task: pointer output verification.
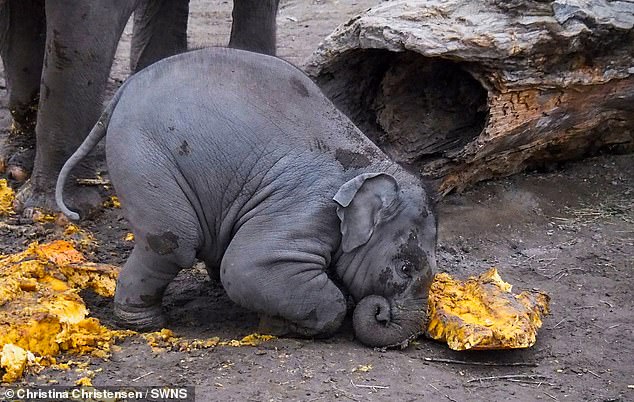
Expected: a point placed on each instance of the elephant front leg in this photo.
(22, 37)
(290, 289)
(81, 38)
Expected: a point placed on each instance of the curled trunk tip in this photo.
(376, 324)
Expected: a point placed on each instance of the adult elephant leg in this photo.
(254, 26)
(160, 30)
(290, 288)
(81, 39)
(22, 37)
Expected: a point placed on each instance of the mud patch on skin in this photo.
(25, 117)
(371, 151)
(163, 244)
(63, 60)
(415, 259)
(386, 275)
(184, 149)
(319, 145)
(298, 86)
(351, 160)
(47, 91)
(411, 251)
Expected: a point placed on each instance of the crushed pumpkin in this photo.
(166, 340)
(482, 313)
(7, 195)
(41, 312)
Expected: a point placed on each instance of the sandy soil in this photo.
(568, 231)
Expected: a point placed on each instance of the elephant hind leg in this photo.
(158, 255)
(159, 31)
(22, 39)
(254, 25)
(166, 226)
(134, 309)
(140, 289)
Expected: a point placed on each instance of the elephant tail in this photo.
(93, 138)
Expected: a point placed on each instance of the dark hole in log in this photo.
(416, 108)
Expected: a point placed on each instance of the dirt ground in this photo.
(568, 231)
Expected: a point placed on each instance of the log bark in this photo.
(464, 90)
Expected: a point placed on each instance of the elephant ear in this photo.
(364, 202)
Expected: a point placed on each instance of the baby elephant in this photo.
(238, 159)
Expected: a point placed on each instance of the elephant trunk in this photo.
(377, 324)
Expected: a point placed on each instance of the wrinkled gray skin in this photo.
(57, 56)
(239, 160)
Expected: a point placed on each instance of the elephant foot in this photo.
(274, 326)
(17, 152)
(20, 165)
(31, 198)
(142, 319)
(278, 326)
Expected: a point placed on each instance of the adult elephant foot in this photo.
(31, 197)
(17, 151)
(19, 166)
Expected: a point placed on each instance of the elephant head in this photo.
(387, 260)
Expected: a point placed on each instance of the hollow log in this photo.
(463, 91)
